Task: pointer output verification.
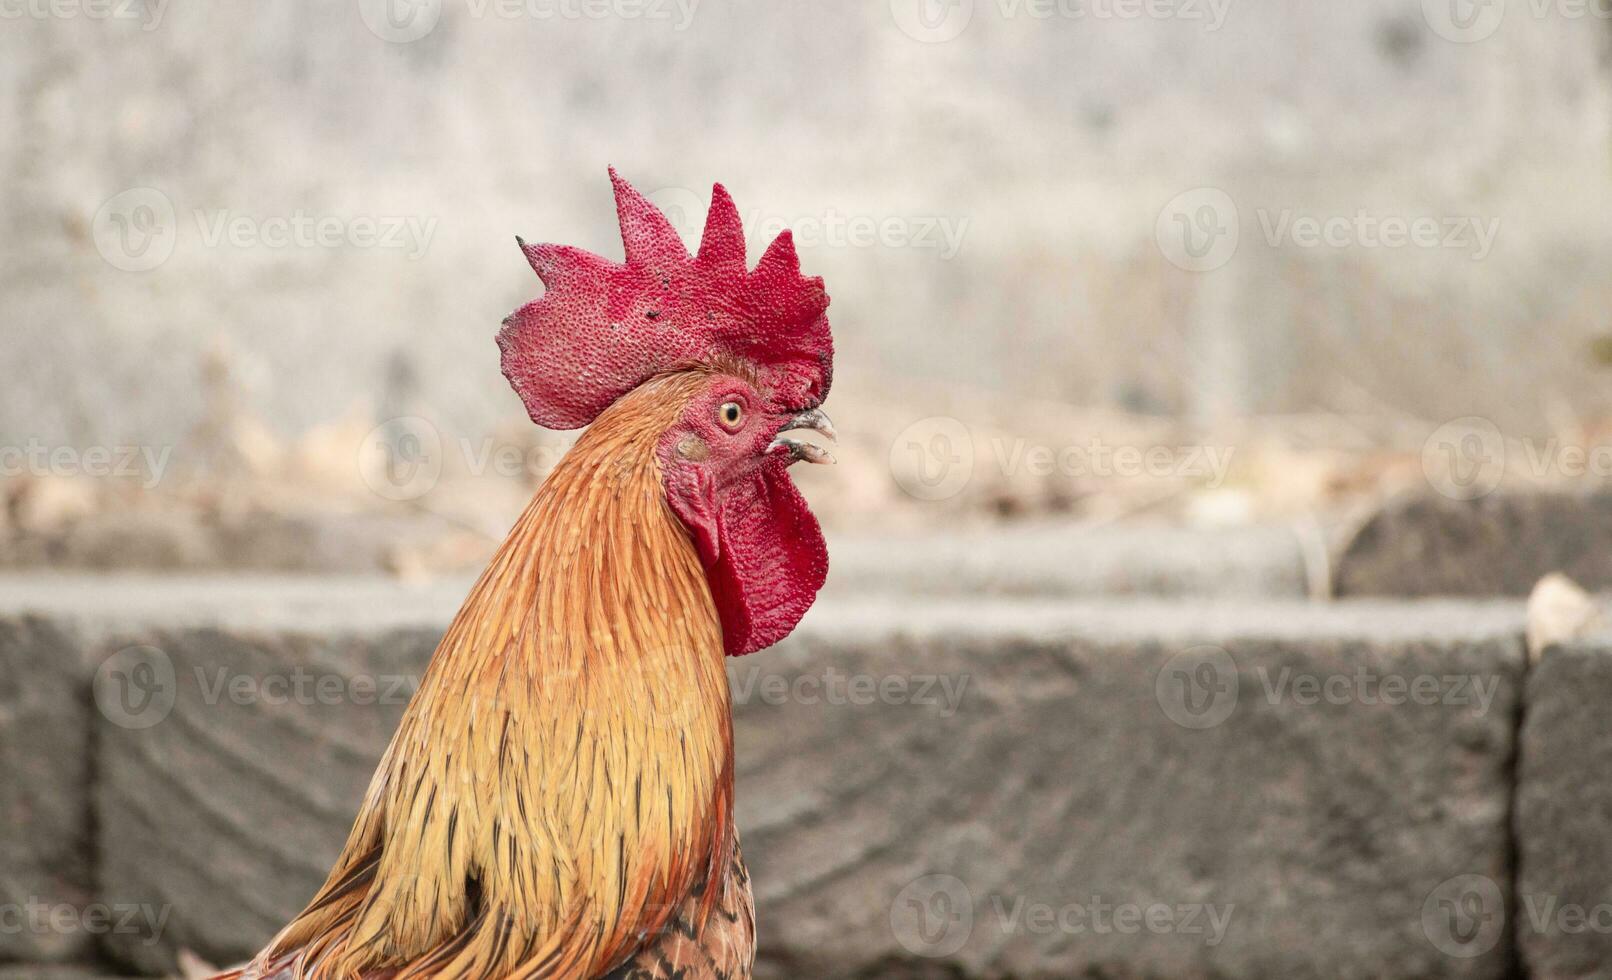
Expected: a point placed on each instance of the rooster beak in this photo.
(815, 419)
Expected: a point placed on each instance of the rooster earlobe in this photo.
(650, 240)
(723, 239)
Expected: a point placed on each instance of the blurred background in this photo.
(243, 236)
(1201, 301)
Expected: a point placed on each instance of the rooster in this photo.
(558, 799)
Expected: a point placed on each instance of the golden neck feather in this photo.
(563, 777)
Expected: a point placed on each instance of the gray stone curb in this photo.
(998, 787)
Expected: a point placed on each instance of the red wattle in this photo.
(770, 563)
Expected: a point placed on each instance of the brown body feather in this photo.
(557, 801)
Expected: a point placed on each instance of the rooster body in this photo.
(558, 799)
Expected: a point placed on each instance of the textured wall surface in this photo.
(1564, 891)
(988, 788)
(995, 198)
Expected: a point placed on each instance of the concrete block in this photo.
(1066, 559)
(1500, 544)
(231, 810)
(1563, 915)
(999, 788)
(45, 759)
(1059, 818)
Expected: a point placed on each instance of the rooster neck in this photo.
(563, 778)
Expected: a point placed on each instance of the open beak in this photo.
(798, 449)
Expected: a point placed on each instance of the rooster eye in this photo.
(730, 414)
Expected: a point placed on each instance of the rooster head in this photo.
(759, 340)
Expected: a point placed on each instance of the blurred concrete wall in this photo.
(1028, 197)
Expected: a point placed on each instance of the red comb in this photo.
(602, 329)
